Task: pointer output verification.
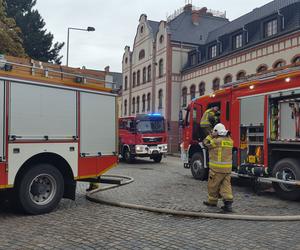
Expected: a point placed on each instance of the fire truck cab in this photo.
(143, 136)
(263, 116)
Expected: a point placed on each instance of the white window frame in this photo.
(238, 41)
(213, 51)
(272, 27)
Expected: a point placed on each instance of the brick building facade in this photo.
(197, 51)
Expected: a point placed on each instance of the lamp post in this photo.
(89, 29)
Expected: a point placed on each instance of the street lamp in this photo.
(89, 29)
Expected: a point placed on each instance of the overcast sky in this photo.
(115, 22)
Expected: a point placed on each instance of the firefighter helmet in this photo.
(220, 129)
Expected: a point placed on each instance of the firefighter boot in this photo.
(209, 204)
(227, 208)
(92, 186)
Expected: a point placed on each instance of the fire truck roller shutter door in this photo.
(97, 125)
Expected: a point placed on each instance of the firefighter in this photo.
(209, 120)
(93, 186)
(220, 146)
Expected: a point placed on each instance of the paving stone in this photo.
(86, 225)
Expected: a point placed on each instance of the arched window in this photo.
(138, 78)
(126, 83)
(161, 68)
(126, 60)
(262, 68)
(161, 39)
(133, 79)
(184, 97)
(144, 75)
(138, 105)
(149, 73)
(296, 59)
(125, 107)
(148, 101)
(142, 29)
(142, 54)
(228, 79)
(193, 91)
(279, 64)
(241, 75)
(160, 99)
(143, 103)
(216, 84)
(202, 88)
(133, 105)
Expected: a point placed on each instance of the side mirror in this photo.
(132, 128)
(168, 126)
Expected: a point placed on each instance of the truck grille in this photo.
(152, 139)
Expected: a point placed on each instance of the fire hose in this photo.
(91, 197)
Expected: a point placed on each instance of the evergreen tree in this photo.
(10, 41)
(37, 41)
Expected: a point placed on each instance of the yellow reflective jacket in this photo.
(220, 153)
(207, 117)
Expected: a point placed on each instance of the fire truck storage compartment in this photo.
(252, 129)
(285, 115)
(2, 124)
(252, 111)
(97, 124)
(41, 112)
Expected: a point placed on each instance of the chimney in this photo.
(106, 69)
(202, 11)
(188, 7)
(195, 17)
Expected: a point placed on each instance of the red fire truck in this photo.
(262, 113)
(143, 136)
(56, 128)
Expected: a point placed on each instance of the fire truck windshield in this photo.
(150, 126)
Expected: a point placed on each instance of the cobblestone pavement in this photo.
(169, 185)
(86, 225)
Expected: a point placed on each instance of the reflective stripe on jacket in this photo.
(220, 153)
(205, 120)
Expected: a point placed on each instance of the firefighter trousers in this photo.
(219, 186)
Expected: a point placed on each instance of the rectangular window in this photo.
(271, 28)
(193, 59)
(238, 41)
(213, 51)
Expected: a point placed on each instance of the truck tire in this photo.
(289, 169)
(40, 189)
(127, 156)
(198, 170)
(157, 158)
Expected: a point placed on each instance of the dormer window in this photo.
(238, 41)
(193, 59)
(213, 51)
(271, 28)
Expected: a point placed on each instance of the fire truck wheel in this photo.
(157, 158)
(199, 172)
(128, 157)
(287, 169)
(40, 189)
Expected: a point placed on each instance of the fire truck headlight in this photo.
(139, 148)
(165, 147)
